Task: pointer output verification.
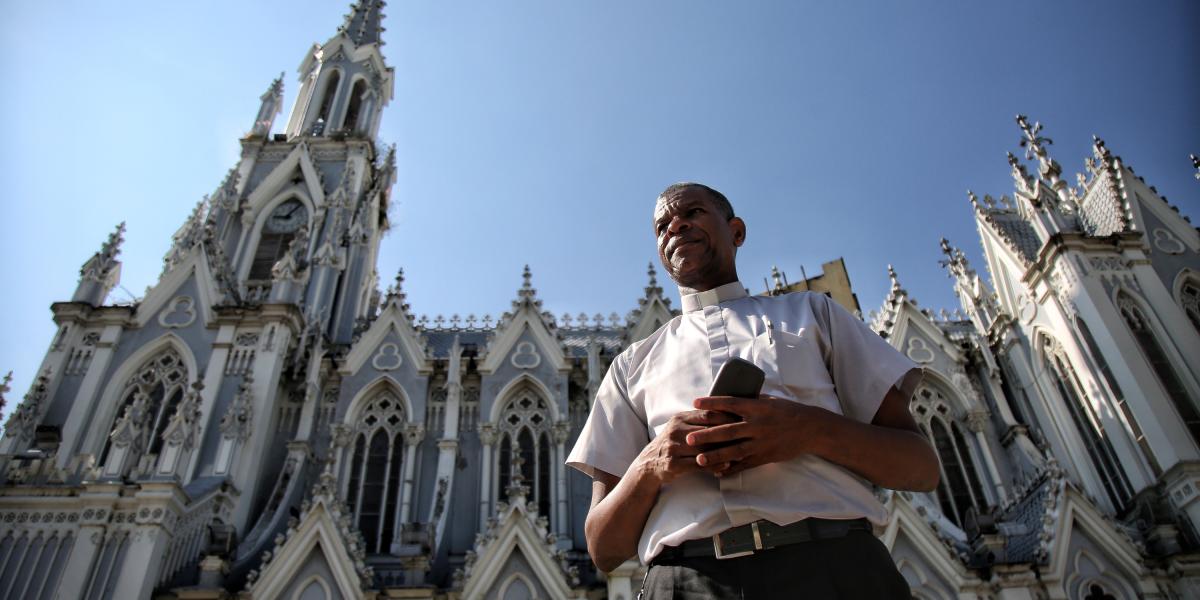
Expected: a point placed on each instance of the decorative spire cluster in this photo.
(364, 23)
(272, 104)
(187, 236)
(22, 422)
(101, 265)
(1035, 147)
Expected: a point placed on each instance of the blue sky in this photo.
(540, 132)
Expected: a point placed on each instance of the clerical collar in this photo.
(713, 297)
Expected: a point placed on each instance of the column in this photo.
(413, 435)
(487, 437)
(561, 430)
(975, 422)
(212, 384)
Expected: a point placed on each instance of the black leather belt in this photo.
(761, 535)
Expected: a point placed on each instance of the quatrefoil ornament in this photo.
(526, 356)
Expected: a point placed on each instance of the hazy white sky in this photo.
(540, 132)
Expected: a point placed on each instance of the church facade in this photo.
(265, 423)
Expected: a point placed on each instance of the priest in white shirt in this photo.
(767, 497)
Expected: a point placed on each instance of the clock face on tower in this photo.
(287, 217)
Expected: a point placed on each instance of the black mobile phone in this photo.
(739, 378)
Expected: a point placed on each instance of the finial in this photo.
(1034, 144)
(895, 280)
(974, 199)
(946, 249)
(527, 276)
(1195, 164)
(4, 389)
(777, 278)
(652, 288)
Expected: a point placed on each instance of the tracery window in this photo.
(1087, 423)
(1189, 299)
(525, 434)
(958, 487)
(373, 492)
(148, 401)
(1144, 334)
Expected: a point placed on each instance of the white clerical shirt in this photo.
(813, 352)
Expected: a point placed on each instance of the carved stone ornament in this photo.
(185, 423)
(487, 434)
(180, 312)
(1167, 242)
(526, 356)
(1026, 308)
(918, 351)
(387, 358)
(238, 419)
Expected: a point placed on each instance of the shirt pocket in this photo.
(797, 368)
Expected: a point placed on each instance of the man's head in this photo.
(697, 236)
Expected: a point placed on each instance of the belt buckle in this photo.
(718, 552)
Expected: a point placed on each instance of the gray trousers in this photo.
(854, 566)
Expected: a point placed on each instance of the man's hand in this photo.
(671, 454)
(620, 505)
(770, 430)
(890, 451)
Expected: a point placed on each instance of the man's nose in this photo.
(677, 225)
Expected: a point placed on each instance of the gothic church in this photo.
(265, 424)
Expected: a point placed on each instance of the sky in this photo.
(540, 132)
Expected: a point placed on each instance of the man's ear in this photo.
(738, 227)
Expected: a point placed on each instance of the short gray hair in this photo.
(719, 199)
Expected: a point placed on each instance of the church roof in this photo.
(1017, 232)
(364, 23)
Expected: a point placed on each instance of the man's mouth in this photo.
(676, 247)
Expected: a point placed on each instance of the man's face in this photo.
(696, 243)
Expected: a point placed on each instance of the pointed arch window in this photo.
(525, 448)
(373, 493)
(1189, 299)
(278, 231)
(147, 403)
(958, 488)
(1088, 425)
(327, 97)
(1136, 319)
(354, 108)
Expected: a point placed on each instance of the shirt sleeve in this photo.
(614, 434)
(864, 366)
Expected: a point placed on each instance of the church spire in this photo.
(99, 275)
(272, 104)
(364, 23)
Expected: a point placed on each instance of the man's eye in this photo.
(695, 211)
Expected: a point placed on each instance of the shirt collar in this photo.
(713, 297)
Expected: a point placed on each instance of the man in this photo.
(780, 482)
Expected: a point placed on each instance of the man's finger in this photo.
(707, 417)
(727, 404)
(718, 434)
(727, 454)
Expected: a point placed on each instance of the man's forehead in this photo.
(681, 199)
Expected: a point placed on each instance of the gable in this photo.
(389, 344)
(528, 337)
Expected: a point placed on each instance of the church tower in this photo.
(192, 421)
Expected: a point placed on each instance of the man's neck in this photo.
(704, 287)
